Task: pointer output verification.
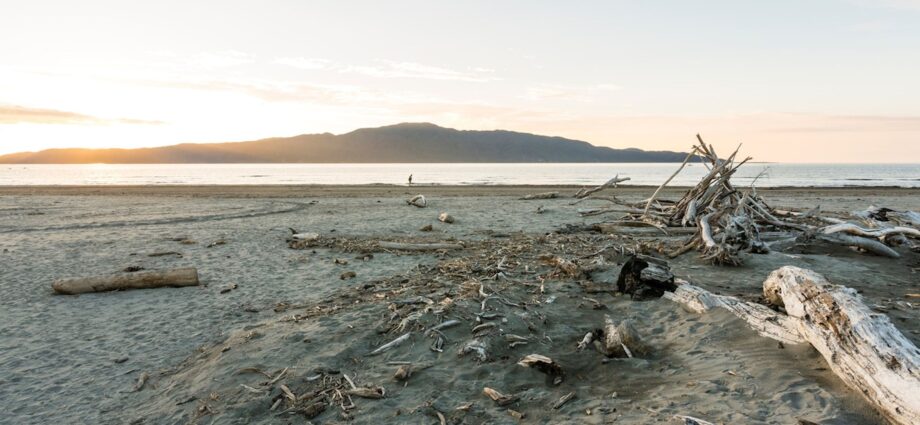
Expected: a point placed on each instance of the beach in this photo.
(266, 311)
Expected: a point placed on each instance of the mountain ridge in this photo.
(404, 142)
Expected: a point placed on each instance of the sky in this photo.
(794, 81)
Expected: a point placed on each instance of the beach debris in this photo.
(303, 240)
(566, 267)
(164, 253)
(228, 288)
(391, 344)
(690, 420)
(586, 341)
(563, 400)
(584, 193)
(644, 276)
(499, 398)
(348, 275)
(515, 414)
(445, 218)
(367, 392)
(434, 246)
(544, 195)
(426, 228)
(621, 340)
(763, 319)
(135, 280)
(443, 325)
(476, 346)
(862, 347)
(545, 365)
(340, 261)
(403, 372)
(218, 242)
(418, 201)
(132, 269)
(141, 382)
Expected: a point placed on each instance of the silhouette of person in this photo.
(410, 179)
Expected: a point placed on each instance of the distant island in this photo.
(407, 142)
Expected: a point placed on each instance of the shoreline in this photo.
(317, 190)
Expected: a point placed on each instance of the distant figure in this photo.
(410, 179)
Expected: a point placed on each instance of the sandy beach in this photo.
(291, 318)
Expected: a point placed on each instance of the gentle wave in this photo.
(763, 175)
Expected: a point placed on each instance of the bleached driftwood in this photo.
(870, 245)
(136, 280)
(418, 246)
(544, 195)
(862, 347)
(762, 319)
(620, 340)
(418, 201)
(692, 153)
(583, 193)
(853, 229)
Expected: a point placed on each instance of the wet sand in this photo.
(76, 359)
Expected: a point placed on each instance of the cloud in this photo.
(14, 114)
(392, 69)
(305, 63)
(224, 59)
(557, 92)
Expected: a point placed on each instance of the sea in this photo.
(759, 174)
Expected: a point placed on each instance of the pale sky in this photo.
(795, 81)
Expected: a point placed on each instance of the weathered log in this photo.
(870, 245)
(645, 277)
(862, 347)
(418, 246)
(853, 229)
(544, 195)
(762, 319)
(138, 280)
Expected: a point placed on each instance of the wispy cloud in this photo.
(563, 92)
(393, 69)
(14, 114)
(223, 59)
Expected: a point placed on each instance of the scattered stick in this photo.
(390, 344)
(418, 246)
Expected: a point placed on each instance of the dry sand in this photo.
(75, 359)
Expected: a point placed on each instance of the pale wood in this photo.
(418, 246)
(544, 195)
(136, 280)
(762, 319)
(862, 347)
(612, 182)
(682, 165)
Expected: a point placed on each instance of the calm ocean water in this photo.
(771, 175)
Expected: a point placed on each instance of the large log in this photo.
(862, 347)
(137, 280)
(761, 318)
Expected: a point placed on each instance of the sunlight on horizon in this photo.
(789, 80)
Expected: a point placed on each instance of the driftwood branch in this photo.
(862, 347)
(136, 280)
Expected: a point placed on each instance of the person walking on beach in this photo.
(410, 179)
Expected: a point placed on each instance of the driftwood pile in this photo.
(726, 221)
